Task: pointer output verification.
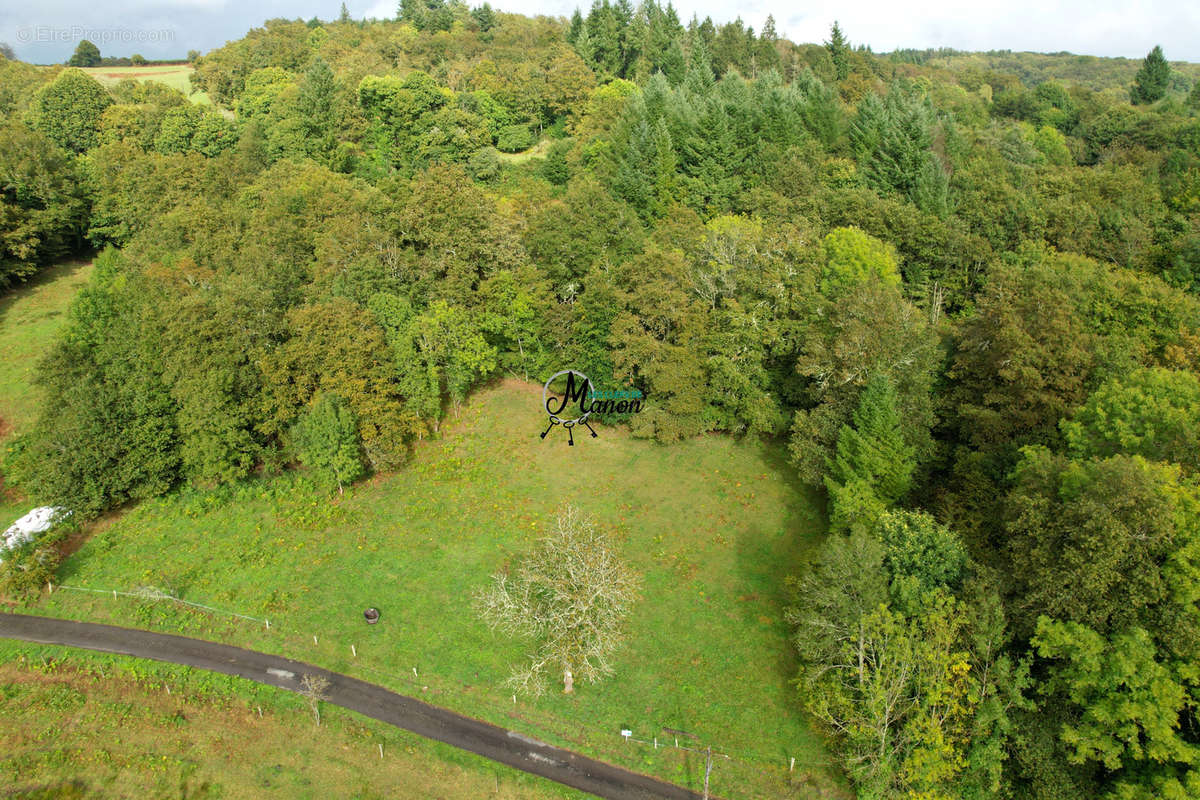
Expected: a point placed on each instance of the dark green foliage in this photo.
(42, 207)
(1152, 79)
(555, 168)
(326, 439)
(958, 280)
(86, 55)
(839, 49)
(107, 432)
(871, 450)
(892, 140)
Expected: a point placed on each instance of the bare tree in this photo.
(570, 595)
(313, 688)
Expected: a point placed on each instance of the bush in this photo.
(26, 569)
(514, 138)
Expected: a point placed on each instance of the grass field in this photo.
(713, 525)
(173, 75)
(30, 315)
(107, 733)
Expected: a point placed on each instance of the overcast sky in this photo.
(46, 31)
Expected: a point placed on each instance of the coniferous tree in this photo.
(576, 27)
(839, 49)
(872, 448)
(1152, 79)
(485, 18)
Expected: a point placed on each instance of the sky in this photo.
(46, 31)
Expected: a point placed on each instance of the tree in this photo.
(870, 330)
(1154, 413)
(7, 52)
(484, 17)
(68, 110)
(1131, 709)
(326, 439)
(314, 687)
(42, 205)
(839, 51)
(571, 595)
(871, 451)
(853, 257)
(86, 55)
(1151, 82)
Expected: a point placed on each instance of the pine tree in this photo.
(1152, 79)
(674, 63)
(485, 18)
(344, 14)
(576, 27)
(699, 79)
(665, 179)
(872, 448)
(316, 104)
(766, 55)
(839, 48)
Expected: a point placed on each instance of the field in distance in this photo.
(173, 75)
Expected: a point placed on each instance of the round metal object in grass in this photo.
(371, 615)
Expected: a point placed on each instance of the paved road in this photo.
(498, 744)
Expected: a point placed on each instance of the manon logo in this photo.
(569, 398)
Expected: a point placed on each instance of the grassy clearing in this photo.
(713, 525)
(30, 315)
(173, 75)
(539, 150)
(113, 731)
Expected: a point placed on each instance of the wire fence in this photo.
(317, 647)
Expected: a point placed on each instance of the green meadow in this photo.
(713, 525)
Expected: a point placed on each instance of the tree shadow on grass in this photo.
(12, 295)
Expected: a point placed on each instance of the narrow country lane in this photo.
(490, 741)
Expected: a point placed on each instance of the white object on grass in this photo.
(39, 520)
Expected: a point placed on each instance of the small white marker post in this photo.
(49, 587)
(354, 651)
(381, 749)
(414, 672)
(514, 699)
(314, 638)
(114, 594)
(268, 623)
(260, 712)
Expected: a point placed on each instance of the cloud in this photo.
(1098, 27)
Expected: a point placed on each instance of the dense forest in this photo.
(965, 288)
